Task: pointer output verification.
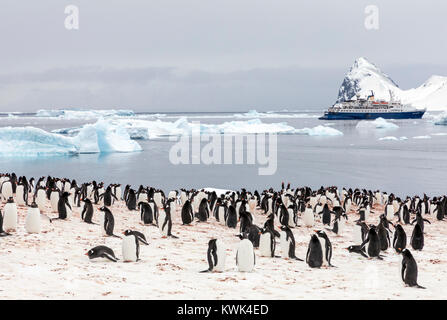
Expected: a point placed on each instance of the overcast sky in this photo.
(198, 55)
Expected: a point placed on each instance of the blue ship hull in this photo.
(373, 115)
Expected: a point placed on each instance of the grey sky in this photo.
(208, 55)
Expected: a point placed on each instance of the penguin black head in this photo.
(407, 254)
(128, 232)
(10, 200)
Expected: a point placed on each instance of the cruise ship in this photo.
(369, 108)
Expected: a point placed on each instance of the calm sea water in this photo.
(356, 159)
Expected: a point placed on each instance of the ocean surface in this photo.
(412, 159)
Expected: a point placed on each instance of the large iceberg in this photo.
(101, 137)
(379, 123)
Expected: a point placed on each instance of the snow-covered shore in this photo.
(52, 265)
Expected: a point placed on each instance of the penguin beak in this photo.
(86, 253)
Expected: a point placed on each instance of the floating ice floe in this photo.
(146, 129)
(392, 138)
(101, 137)
(252, 114)
(422, 137)
(440, 119)
(379, 123)
(72, 114)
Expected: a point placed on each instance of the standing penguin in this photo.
(308, 217)
(187, 213)
(384, 236)
(326, 246)
(3, 233)
(220, 211)
(130, 247)
(22, 194)
(231, 218)
(389, 211)
(146, 213)
(339, 224)
(417, 238)
(267, 243)
(360, 232)
(326, 215)
(131, 201)
(287, 241)
(108, 222)
(373, 241)
(87, 211)
(165, 221)
(203, 213)
(40, 197)
(63, 207)
(399, 239)
(54, 199)
(108, 197)
(409, 270)
(10, 215)
(314, 256)
(32, 222)
(140, 236)
(216, 256)
(245, 256)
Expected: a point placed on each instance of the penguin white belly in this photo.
(7, 190)
(323, 249)
(323, 200)
(291, 215)
(367, 212)
(59, 185)
(19, 195)
(348, 205)
(395, 205)
(101, 223)
(308, 218)
(390, 212)
(270, 206)
(221, 215)
(183, 198)
(90, 192)
(313, 202)
(221, 252)
(432, 209)
(118, 193)
(129, 249)
(252, 206)
(10, 217)
(40, 199)
(357, 235)
(284, 245)
(245, 256)
(157, 199)
(142, 197)
(32, 222)
(54, 199)
(336, 203)
(341, 226)
(264, 245)
(161, 221)
(318, 209)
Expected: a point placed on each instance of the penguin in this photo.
(108, 197)
(409, 270)
(101, 252)
(287, 241)
(87, 211)
(54, 199)
(339, 223)
(360, 232)
(141, 237)
(22, 194)
(326, 246)
(40, 198)
(154, 209)
(420, 220)
(373, 241)
(267, 243)
(130, 247)
(117, 191)
(389, 211)
(131, 201)
(3, 233)
(146, 213)
(399, 239)
(63, 207)
(308, 216)
(203, 213)
(165, 221)
(220, 211)
(10, 215)
(384, 237)
(216, 256)
(326, 215)
(283, 215)
(187, 213)
(417, 238)
(245, 256)
(108, 222)
(231, 218)
(6, 189)
(314, 255)
(32, 222)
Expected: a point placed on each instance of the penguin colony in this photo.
(326, 211)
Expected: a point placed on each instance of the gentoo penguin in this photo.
(54, 199)
(32, 222)
(384, 236)
(165, 220)
(389, 211)
(287, 241)
(22, 194)
(267, 243)
(63, 207)
(216, 256)
(417, 238)
(146, 214)
(339, 223)
(40, 198)
(326, 215)
(252, 205)
(245, 256)
(131, 201)
(360, 231)
(3, 233)
(283, 215)
(409, 270)
(10, 215)
(108, 197)
(187, 213)
(87, 211)
(314, 256)
(326, 246)
(203, 213)
(107, 222)
(308, 216)
(117, 191)
(130, 247)
(102, 252)
(141, 237)
(399, 239)
(373, 241)
(231, 218)
(220, 211)
(6, 190)
(420, 221)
